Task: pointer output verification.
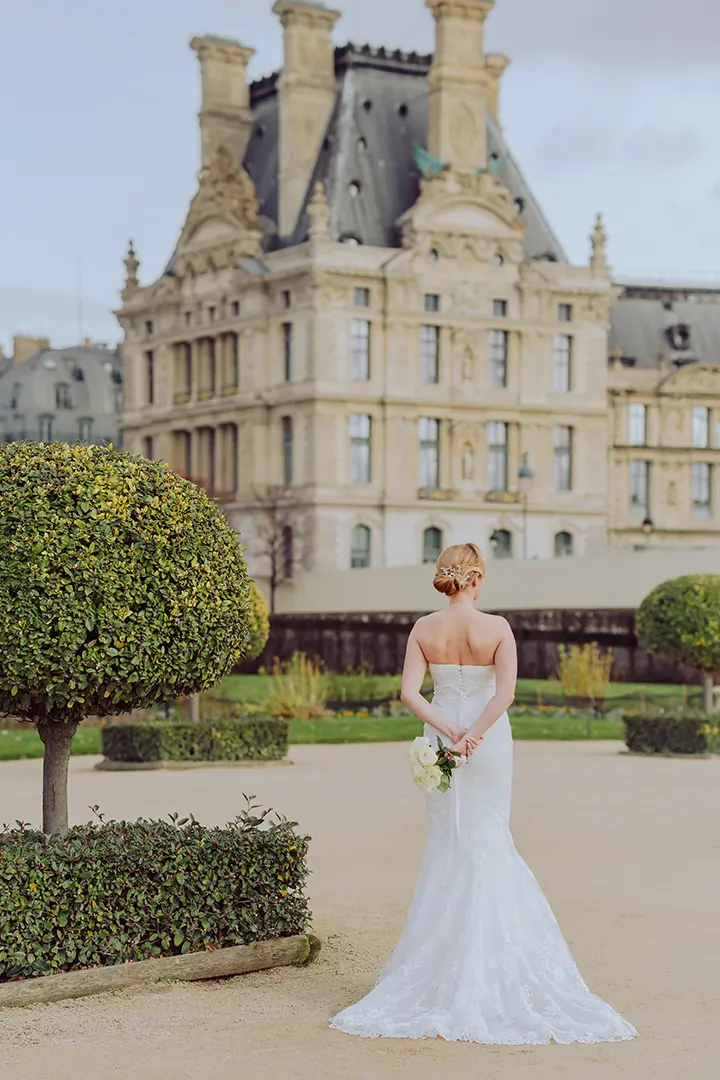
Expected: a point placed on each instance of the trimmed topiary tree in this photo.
(121, 585)
(258, 624)
(681, 620)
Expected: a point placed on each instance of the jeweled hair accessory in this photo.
(455, 574)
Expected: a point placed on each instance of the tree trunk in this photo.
(708, 691)
(273, 584)
(57, 738)
(195, 707)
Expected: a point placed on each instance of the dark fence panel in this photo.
(378, 642)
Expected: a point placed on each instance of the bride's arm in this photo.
(505, 679)
(413, 675)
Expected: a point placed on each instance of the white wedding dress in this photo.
(482, 958)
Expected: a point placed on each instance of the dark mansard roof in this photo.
(367, 160)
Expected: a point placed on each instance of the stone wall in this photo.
(378, 642)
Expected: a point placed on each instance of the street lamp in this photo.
(525, 483)
(647, 527)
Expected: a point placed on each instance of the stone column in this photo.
(225, 114)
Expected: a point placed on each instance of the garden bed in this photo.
(231, 739)
(110, 894)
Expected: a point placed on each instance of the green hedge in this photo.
(111, 893)
(257, 738)
(661, 732)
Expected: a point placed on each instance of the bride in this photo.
(482, 958)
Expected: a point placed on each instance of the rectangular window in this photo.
(360, 448)
(432, 302)
(62, 396)
(639, 485)
(187, 364)
(85, 430)
(212, 365)
(500, 309)
(430, 354)
(497, 443)
(562, 464)
(234, 360)
(701, 488)
(429, 437)
(236, 307)
(287, 351)
(498, 357)
(562, 364)
(360, 544)
(149, 328)
(700, 427)
(188, 318)
(148, 447)
(287, 449)
(211, 314)
(46, 429)
(637, 424)
(362, 297)
(564, 312)
(287, 299)
(360, 350)
(150, 376)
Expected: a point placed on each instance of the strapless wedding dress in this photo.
(482, 958)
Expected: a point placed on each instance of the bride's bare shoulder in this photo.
(494, 623)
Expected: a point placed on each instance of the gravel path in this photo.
(626, 849)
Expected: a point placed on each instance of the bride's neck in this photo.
(462, 600)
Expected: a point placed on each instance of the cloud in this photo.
(579, 142)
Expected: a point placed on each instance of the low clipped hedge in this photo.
(668, 732)
(256, 738)
(112, 893)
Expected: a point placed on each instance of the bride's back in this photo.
(460, 635)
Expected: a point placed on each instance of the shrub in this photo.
(583, 671)
(298, 690)
(671, 732)
(121, 585)
(681, 620)
(258, 624)
(258, 738)
(112, 893)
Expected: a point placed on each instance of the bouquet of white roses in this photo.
(433, 769)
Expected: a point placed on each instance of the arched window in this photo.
(501, 542)
(288, 553)
(360, 547)
(432, 545)
(563, 545)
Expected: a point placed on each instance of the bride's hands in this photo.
(454, 734)
(466, 746)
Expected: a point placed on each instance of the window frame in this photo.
(360, 349)
(497, 455)
(633, 419)
(569, 550)
(360, 554)
(360, 448)
(563, 353)
(701, 507)
(701, 415)
(429, 453)
(288, 438)
(498, 346)
(430, 354)
(431, 554)
(643, 475)
(361, 297)
(563, 458)
(287, 338)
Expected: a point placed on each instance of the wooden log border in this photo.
(192, 967)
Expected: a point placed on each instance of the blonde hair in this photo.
(458, 567)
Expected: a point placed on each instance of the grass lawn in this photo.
(25, 743)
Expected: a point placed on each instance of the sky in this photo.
(609, 105)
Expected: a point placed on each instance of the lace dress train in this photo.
(482, 958)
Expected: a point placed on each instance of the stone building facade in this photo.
(368, 317)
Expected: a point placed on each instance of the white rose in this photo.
(429, 779)
(419, 749)
(427, 756)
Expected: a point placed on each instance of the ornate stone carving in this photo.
(598, 246)
(132, 265)
(226, 192)
(319, 214)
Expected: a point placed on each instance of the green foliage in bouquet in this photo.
(681, 620)
(121, 585)
(112, 893)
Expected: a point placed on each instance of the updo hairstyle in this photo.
(458, 567)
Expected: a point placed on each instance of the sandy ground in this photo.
(627, 850)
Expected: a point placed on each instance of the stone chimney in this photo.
(225, 115)
(460, 84)
(25, 346)
(495, 64)
(306, 96)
